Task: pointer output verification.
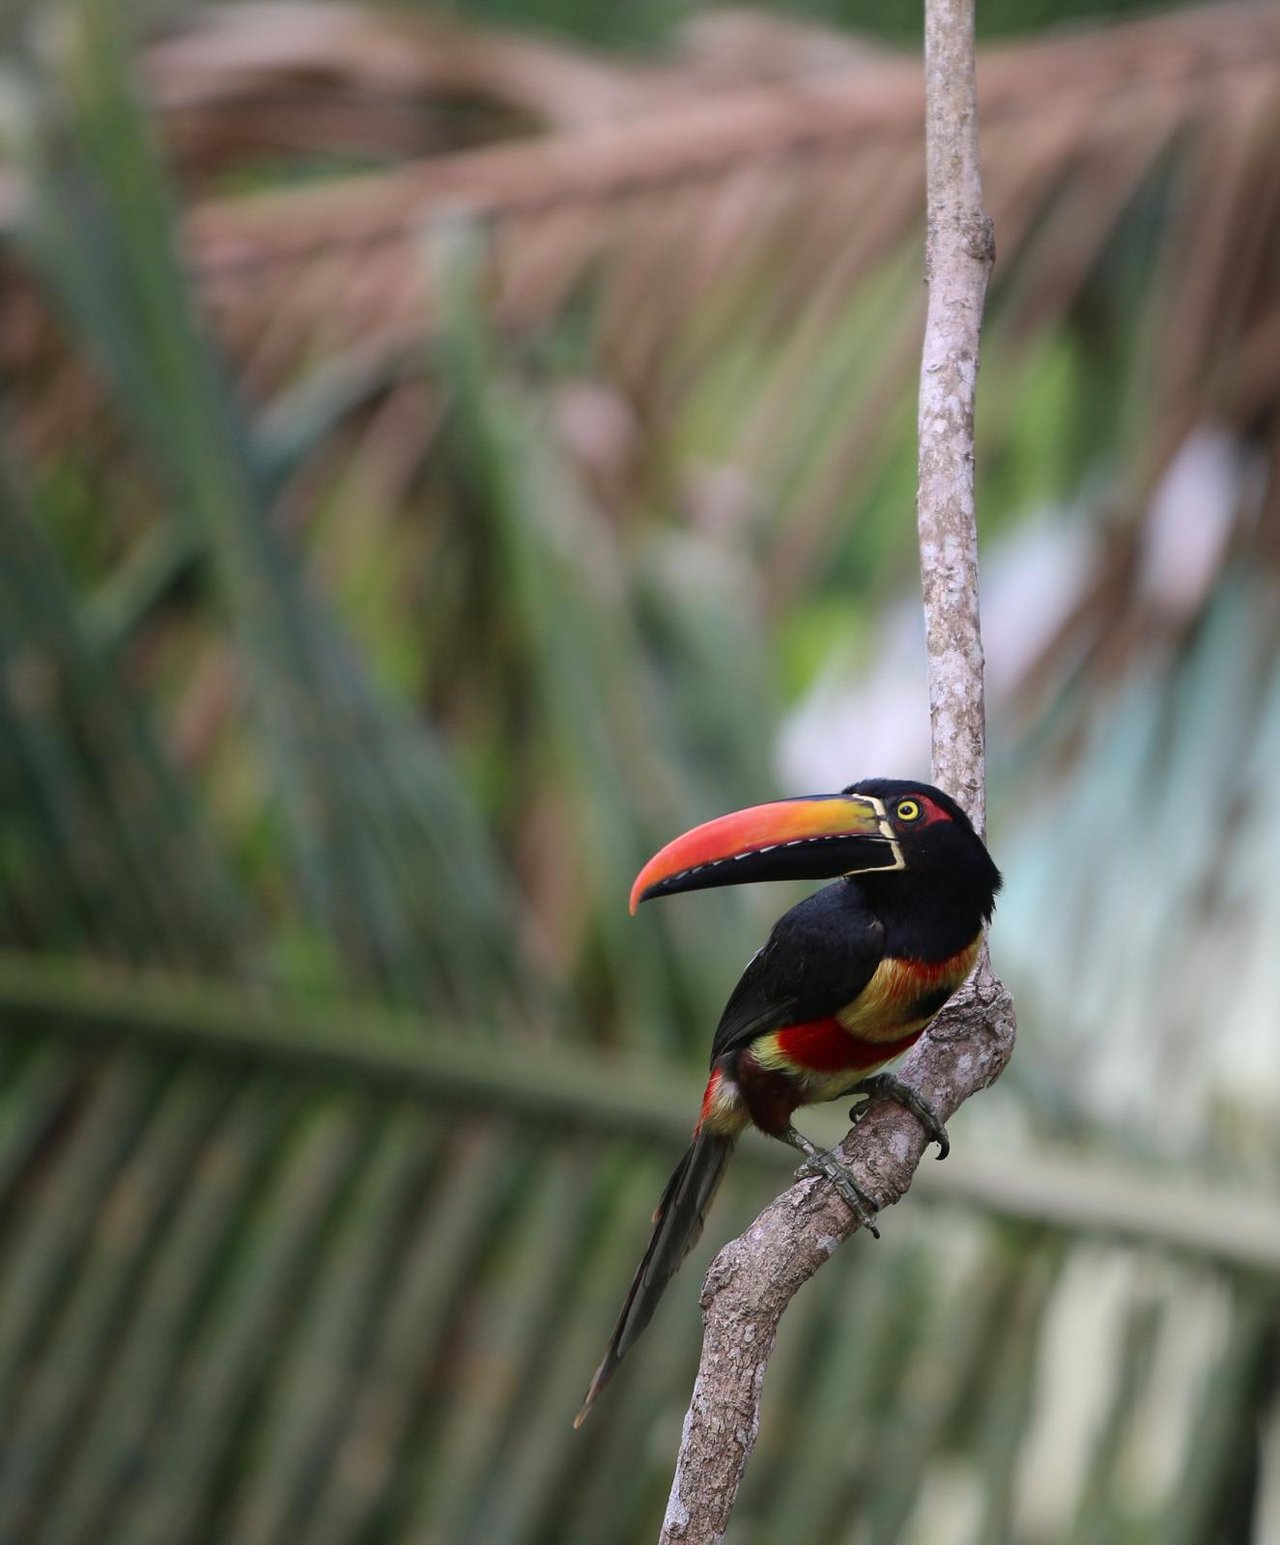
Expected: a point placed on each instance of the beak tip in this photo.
(642, 888)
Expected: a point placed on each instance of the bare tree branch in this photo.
(754, 1278)
(959, 250)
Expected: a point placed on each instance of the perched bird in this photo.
(846, 982)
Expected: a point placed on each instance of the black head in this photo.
(937, 839)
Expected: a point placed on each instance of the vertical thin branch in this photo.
(959, 250)
(754, 1277)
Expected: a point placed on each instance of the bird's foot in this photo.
(886, 1086)
(823, 1162)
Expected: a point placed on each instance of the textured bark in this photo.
(959, 250)
(754, 1278)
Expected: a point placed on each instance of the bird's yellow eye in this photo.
(908, 810)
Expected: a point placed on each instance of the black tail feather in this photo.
(678, 1222)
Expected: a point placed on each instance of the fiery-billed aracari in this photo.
(846, 982)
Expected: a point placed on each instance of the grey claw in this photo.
(852, 1194)
(886, 1086)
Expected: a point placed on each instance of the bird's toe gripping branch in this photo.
(823, 1163)
(885, 1086)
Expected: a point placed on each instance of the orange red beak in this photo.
(816, 837)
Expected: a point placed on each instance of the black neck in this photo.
(925, 917)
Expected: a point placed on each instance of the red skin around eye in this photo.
(931, 811)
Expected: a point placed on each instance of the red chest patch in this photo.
(825, 1046)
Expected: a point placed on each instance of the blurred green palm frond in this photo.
(370, 803)
(268, 1285)
(113, 852)
(439, 465)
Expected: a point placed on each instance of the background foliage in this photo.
(438, 465)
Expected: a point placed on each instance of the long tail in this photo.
(677, 1223)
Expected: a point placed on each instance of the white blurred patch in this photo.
(1190, 519)
(1079, 1354)
(852, 726)
(1192, 1340)
(950, 1505)
(874, 720)
(1030, 582)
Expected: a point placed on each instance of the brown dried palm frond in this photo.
(259, 82)
(769, 207)
(1093, 108)
(237, 86)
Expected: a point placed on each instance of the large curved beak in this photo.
(814, 838)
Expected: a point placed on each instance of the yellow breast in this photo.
(904, 994)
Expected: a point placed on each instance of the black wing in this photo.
(819, 957)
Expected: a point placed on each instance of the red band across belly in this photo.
(825, 1046)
